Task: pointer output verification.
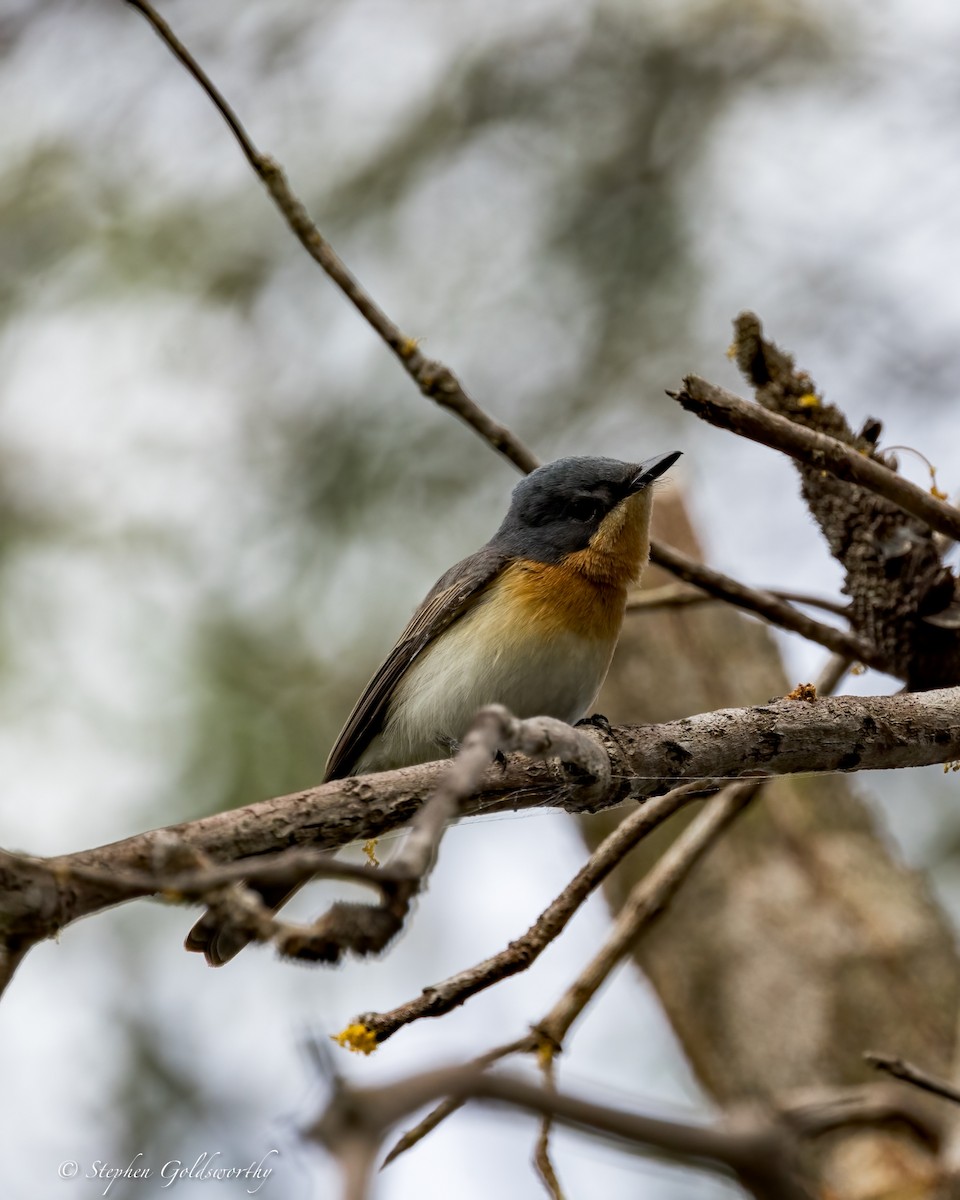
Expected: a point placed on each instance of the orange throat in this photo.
(586, 594)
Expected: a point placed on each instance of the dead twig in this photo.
(367, 929)
(646, 901)
(845, 733)
(908, 1073)
(675, 595)
(522, 953)
(728, 411)
(541, 1153)
(764, 604)
(751, 1146)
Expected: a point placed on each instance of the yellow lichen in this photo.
(934, 490)
(370, 850)
(544, 1054)
(357, 1038)
(809, 400)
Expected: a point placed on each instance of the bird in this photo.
(529, 621)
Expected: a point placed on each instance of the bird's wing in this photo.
(451, 596)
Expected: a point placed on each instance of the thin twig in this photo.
(675, 595)
(821, 602)
(434, 380)
(646, 902)
(754, 1147)
(764, 604)
(832, 672)
(450, 1105)
(907, 1073)
(522, 953)
(284, 867)
(367, 929)
(728, 411)
(541, 1154)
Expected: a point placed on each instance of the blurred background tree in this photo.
(220, 499)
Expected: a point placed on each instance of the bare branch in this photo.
(450, 1105)
(541, 1154)
(366, 929)
(727, 411)
(675, 595)
(814, 1111)
(845, 733)
(435, 381)
(821, 602)
(753, 1147)
(283, 868)
(645, 902)
(441, 998)
(764, 604)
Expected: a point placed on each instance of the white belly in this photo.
(473, 664)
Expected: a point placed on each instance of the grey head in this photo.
(557, 508)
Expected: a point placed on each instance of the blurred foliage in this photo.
(605, 111)
(615, 112)
(259, 724)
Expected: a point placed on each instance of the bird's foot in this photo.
(595, 721)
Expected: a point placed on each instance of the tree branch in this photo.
(675, 595)
(645, 902)
(435, 381)
(441, 998)
(764, 604)
(753, 1147)
(846, 733)
(727, 411)
(365, 929)
(908, 1073)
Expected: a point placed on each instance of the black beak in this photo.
(652, 469)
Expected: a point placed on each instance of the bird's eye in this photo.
(584, 508)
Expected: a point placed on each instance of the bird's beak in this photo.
(652, 469)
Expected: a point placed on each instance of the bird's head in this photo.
(592, 506)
